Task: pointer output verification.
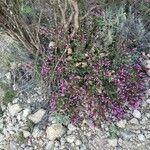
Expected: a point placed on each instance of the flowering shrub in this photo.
(88, 84)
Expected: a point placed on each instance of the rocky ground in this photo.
(21, 129)
(27, 124)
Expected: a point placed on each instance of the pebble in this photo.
(112, 142)
(70, 138)
(55, 131)
(26, 134)
(71, 127)
(141, 137)
(14, 109)
(37, 116)
(148, 101)
(134, 121)
(50, 145)
(25, 113)
(121, 123)
(137, 114)
(78, 142)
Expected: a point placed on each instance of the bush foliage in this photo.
(87, 53)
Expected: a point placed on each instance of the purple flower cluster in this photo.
(130, 84)
(45, 69)
(81, 89)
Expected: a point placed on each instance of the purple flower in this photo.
(63, 86)
(45, 69)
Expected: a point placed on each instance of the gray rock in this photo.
(137, 114)
(50, 145)
(78, 142)
(112, 142)
(25, 113)
(26, 133)
(1, 124)
(71, 127)
(62, 141)
(148, 101)
(55, 131)
(1, 137)
(14, 109)
(36, 132)
(121, 123)
(12, 146)
(83, 147)
(146, 64)
(70, 138)
(134, 121)
(141, 137)
(37, 116)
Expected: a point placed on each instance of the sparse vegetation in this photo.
(8, 96)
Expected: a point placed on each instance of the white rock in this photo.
(148, 101)
(1, 137)
(55, 131)
(26, 133)
(62, 141)
(51, 44)
(147, 64)
(137, 114)
(36, 132)
(50, 145)
(112, 142)
(37, 116)
(25, 113)
(71, 127)
(141, 137)
(78, 142)
(121, 123)
(70, 138)
(12, 146)
(134, 121)
(13, 65)
(14, 109)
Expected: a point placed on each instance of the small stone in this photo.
(25, 113)
(134, 121)
(112, 142)
(121, 123)
(12, 146)
(147, 64)
(1, 137)
(88, 134)
(70, 138)
(62, 141)
(13, 65)
(37, 116)
(55, 131)
(144, 120)
(36, 132)
(71, 127)
(50, 145)
(137, 114)
(141, 137)
(14, 109)
(148, 101)
(83, 147)
(51, 44)
(78, 142)
(26, 133)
